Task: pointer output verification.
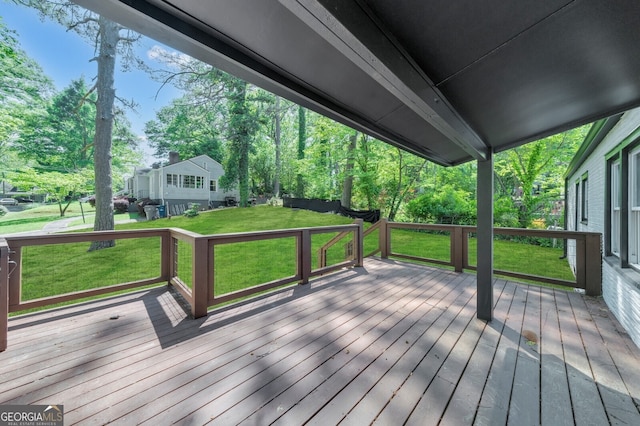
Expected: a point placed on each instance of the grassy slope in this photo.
(49, 270)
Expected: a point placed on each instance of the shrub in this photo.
(444, 205)
(192, 211)
(121, 205)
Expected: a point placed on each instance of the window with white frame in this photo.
(188, 181)
(584, 199)
(577, 205)
(193, 182)
(213, 185)
(615, 207)
(172, 180)
(634, 206)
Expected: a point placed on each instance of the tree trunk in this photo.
(109, 36)
(241, 142)
(347, 184)
(302, 140)
(276, 180)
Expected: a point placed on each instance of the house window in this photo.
(577, 205)
(188, 181)
(213, 186)
(172, 180)
(192, 182)
(584, 199)
(614, 187)
(634, 207)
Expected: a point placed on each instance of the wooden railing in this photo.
(196, 284)
(587, 248)
(189, 261)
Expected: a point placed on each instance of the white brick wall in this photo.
(621, 288)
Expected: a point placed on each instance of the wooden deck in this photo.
(390, 343)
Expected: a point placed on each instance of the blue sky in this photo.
(65, 56)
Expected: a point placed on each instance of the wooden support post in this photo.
(465, 248)
(15, 279)
(304, 252)
(457, 245)
(201, 274)
(485, 238)
(166, 258)
(4, 294)
(359, 242)
(384, 238)
(593, 265)
(581, 268)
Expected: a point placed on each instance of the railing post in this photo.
(384, 238)
(4, 293)
(465, 248)
(201, 273)
(305, 256)
(593, 264)
(359, 242)
(15, 279)
(166, 257)
(456, 248)
(581, 267)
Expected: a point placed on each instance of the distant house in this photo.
(195, 180)
(603, 195)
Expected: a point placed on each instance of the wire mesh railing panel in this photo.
(242, 265)
(58, 269)
(421, 243)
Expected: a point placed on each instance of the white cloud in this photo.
(171, 58)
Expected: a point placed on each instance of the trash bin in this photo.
(151, 212)
(162, 211)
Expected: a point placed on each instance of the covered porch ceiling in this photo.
(448, 81)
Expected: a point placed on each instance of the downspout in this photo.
(564, 215)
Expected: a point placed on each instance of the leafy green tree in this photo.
(110, 41)
(188, 129)
(444, 205)
(24, 89)
(62, 136)
(64, 188)
(242, 128)
(537, 169)
(302, 141)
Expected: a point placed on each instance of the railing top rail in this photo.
(283, 232)
(543, 233)
(79, 237)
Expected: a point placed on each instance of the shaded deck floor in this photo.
(388, 343)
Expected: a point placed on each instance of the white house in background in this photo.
(603, 195)
(195, 180)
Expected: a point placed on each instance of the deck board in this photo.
(390, 343)
(555, 396)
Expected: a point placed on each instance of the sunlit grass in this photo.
(507, 255)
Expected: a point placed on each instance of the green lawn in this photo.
(508, 255)
(58, 269)
(35, 216)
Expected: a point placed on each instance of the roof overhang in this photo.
(448, 81)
